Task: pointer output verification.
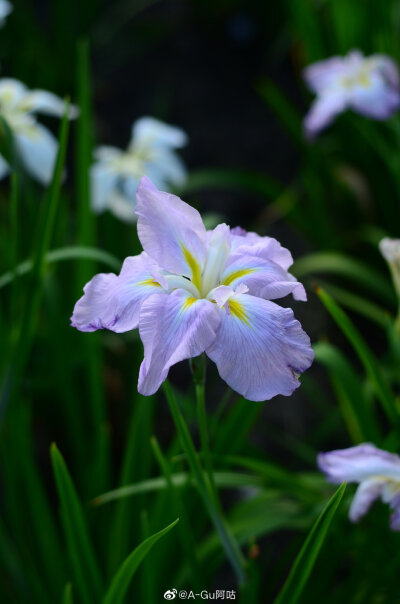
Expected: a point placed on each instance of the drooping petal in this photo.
(38, 150)
(42, 101)
(268, 248)
(4, 168)
(149, 131)
(368, 491)
(171, 231)
(113, 302)
(263, 278)
(355, 464)
(173, 328)
(323, 111)
(103, 181)
(260, 348)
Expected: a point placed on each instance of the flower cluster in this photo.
(35, 145)
(151, 152)
(367, 85)
(193, 291)
(377, 472)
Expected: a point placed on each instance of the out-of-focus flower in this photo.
(5, 9)
(152, 152)
(193, 291)
(390, 250)
(367, 85)
(377, 472)
(35, 145)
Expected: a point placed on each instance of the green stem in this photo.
(229, 544)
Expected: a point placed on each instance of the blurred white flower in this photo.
(5, 9)
(35, 145)
(151, 152)
(390, 250)
(367, 85)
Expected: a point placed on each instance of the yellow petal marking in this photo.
(238, 311)
(194, 267)
(150, 282)
(238, 275)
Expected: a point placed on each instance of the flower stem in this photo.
(229, 544)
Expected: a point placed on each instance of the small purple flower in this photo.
(377, 472)
(367, 85)
(192, 291)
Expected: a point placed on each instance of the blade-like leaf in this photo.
(122, 578)
(305, 561)
(83, 561)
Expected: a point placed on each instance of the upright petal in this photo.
(356, 464)
(369, 490)
(152, 132)
(260, 348)
(113, 302)
(268, 248)
(263, 278)
(173, 328)
(171, 231)
(38, 151)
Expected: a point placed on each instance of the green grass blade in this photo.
(120, 583)
(285, 111)
(73, 252)
(307, 557)
(67, 595)
(83, 561)
(228, 542)
(365, 355)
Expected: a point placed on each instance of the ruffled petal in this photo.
(173, 328)
(368, 491)
(263, 278)
(171, 231)
(260, 348)
(356, 464)
(38, 150)
(268, 248)
(113, 302)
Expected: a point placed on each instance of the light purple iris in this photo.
(193, 291)
(377, 472)
(367, 85)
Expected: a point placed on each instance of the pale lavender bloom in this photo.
(5, 9)
(377, 472)
(151, 152)
(35, 145)
(193, 291)
(367, 85)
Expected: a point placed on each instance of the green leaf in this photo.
(371, 365)
(282, 107)
(306, 559)
(74, 252)
(232, 180)
(83, 561)
(354, 270)
(67, 595)
(122, 578)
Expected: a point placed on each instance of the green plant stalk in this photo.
(228, 542)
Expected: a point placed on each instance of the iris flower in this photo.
(192, 291)
(152, 152)
(377, 472)
(35, 145)
(367, 85)
(5, 9)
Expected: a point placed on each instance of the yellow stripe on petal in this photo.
(238, 275)
(187, 304)
(150, 282)
(238, 311)
(194, 267)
